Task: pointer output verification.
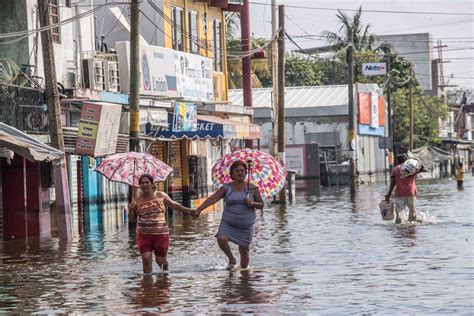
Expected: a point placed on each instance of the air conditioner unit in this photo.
(94, 74)
(113, 76)
(240, 2)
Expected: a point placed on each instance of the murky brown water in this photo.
(324, 254)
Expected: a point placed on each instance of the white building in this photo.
(319, 114)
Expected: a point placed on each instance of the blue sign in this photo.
(204, 130)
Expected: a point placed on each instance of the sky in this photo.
(454, 27)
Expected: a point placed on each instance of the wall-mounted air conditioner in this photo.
(94, 74)
(113, 76)
(235, 2)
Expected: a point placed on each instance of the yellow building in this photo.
(197, 27)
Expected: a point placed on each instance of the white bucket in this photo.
(387, 210)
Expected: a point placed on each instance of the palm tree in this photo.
(361, 39)
(234, 53)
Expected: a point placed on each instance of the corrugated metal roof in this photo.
(296, 97)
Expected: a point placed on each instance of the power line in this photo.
(372, 11)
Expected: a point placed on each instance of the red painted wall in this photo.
(17, 223)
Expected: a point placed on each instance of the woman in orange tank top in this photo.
(149, 211)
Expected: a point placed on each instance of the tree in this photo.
(361, 39)
(260, 67)
(427, 114)
(302, 72)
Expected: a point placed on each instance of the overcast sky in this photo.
(455, 30)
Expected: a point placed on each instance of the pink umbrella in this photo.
(266, 172)
(128, 167)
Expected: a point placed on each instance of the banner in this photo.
(185, 117)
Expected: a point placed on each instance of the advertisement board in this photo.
(169, 73)
(194, 77)
(185, 117)
(371, 113)
(157, 70)
(98, 129)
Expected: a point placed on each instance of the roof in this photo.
(25, 145)
(296, 97)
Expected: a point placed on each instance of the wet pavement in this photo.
(325, 254)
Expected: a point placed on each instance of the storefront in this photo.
(191, 154)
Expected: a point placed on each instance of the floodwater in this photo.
(325, 254)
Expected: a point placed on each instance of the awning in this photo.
(154, 116)
(25, 145)
(209, 127)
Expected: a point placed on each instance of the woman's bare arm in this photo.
(219, 194)
(171, 203)
(132, 211)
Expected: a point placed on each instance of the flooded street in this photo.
(324, 254)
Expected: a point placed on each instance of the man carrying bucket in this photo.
(405, 191)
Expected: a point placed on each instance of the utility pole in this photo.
(350, 86)
(410, 110)
(281, 92)
(61, 184)
(274, 49)
(246, 60)
(134, 97)
(389, 112)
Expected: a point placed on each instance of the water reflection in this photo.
(239, 288)
(405, 235)
(152, 291)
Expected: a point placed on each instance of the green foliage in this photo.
(260, 67)
(302, 72)
(427, 113)
(361, 38)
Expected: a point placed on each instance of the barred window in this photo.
(193, 32)
(177, 26)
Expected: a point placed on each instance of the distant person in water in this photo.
(153, 236)
(405, 191)
(238, 218)
(460, 175)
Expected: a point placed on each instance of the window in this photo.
(177, 28)
(54, 19)
(193, 32)
(217, 29)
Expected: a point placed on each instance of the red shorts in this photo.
(159, 244)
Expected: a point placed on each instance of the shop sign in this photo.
(374, 69)
(157, 70)
(98, 129)
(194, 77)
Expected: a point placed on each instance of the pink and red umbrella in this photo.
(128, 167)
(266, 172)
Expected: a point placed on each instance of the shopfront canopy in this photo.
(208, 127)
(25, 145)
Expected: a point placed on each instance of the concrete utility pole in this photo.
(274, 49)
(246, 61)
(352, 134)
(389, 112)
(281, 92)
(410, 110)
(134, 97)
(61, 184)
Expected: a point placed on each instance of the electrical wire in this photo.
(371, 11)
(51, 26)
